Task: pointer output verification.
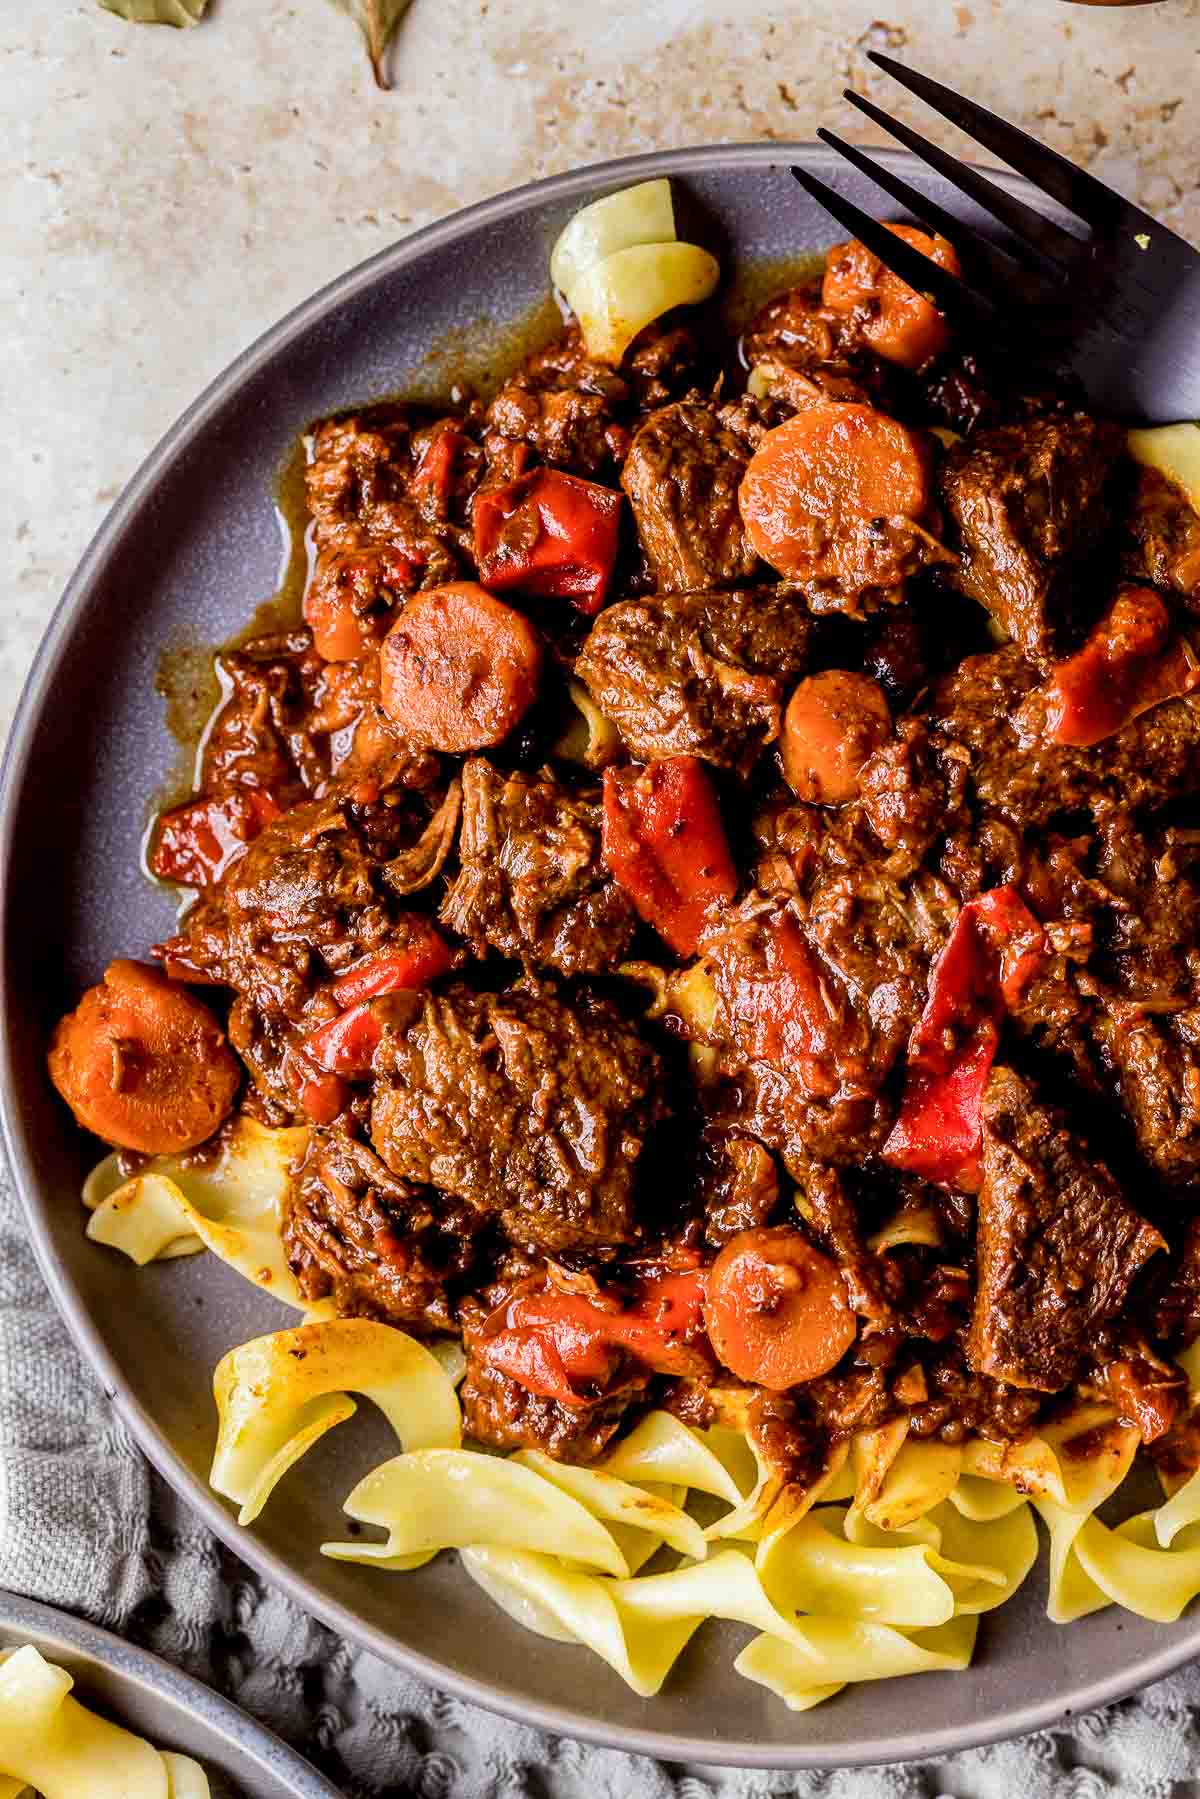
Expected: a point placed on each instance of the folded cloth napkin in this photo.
(86, 1525)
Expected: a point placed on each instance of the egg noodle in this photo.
(52, 1745)
(878, 1565)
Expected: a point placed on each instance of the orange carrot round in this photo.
(898, 322)
(833, 722)
(459, 668)
(831, 496)
(143, 1063)
(776, 1310)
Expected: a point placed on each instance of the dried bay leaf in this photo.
(158, 12)
(377, 20)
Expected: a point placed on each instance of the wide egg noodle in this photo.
(982, 1501)
(642, 214)
(836, 1651)
(49, 1742)
(1076, 1460)
(277, 1395)
(143, 1218)
(569, 1606)
(616, 298)
(917, 1477)
(1128, 1567)
(997, 1552)
(660, 1449)
(622, 1506)
(186, 1779)
(232, 1202)
(456, 1498)
(816, 1568)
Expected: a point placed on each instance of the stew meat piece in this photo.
(381, 1246)
(682, 476)
(1027, 502)
(697, 674)
(1165, 537)
(524, 1105)
(1058, 1246)
(531, 884)
(1153, 759)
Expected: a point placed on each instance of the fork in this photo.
(1113, 291)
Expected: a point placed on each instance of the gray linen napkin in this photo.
(86, 1525)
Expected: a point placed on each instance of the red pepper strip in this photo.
(549, 534)
(323, 1097)
(789, 1014)
(556, 1343)
(347, 1043)
(663, 839)
(1128, 664)
(436, 467)
(422, 960)
(195, 844)
(994, 950)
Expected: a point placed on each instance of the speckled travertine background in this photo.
(165, 195)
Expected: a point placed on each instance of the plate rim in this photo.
(232, 1727)
(918, 1745)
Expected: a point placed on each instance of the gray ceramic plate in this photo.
(186, 553)
(129, 1687)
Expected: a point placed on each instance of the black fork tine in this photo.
(1053, 242)
(954, 297)
(980, 259)
(1072, 187)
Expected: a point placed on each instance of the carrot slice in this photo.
(458, 668)
(776, 1309)
(833, 723)
(900, 324)
(832, 496)
(143, 1063)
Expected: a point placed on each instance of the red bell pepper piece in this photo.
(422, 960)
(347, 1043)
(549, 534)
(435, 470)
(323, 1097)
(568, 1348)
(1130, 663)
(195, 844)
(995, 948)
(663, 839)
(790, 1016)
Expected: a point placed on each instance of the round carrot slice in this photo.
(458, 668)
(897, 322)
(776, 1310)
(143, 1063)
(832, 495)
(833, 723)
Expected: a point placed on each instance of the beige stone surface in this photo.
(165, 195)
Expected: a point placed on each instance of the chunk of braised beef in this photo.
(381, 1247)
(698, 674)
(373, 543)
(499, 1411)
(526, 1105)
(565, 407)
(531, 883)
(737, 1185)
(798, 351)
(1153, 759)
(1058, 1246)
(682, 475)
(1027, 503)
(1161, 532)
